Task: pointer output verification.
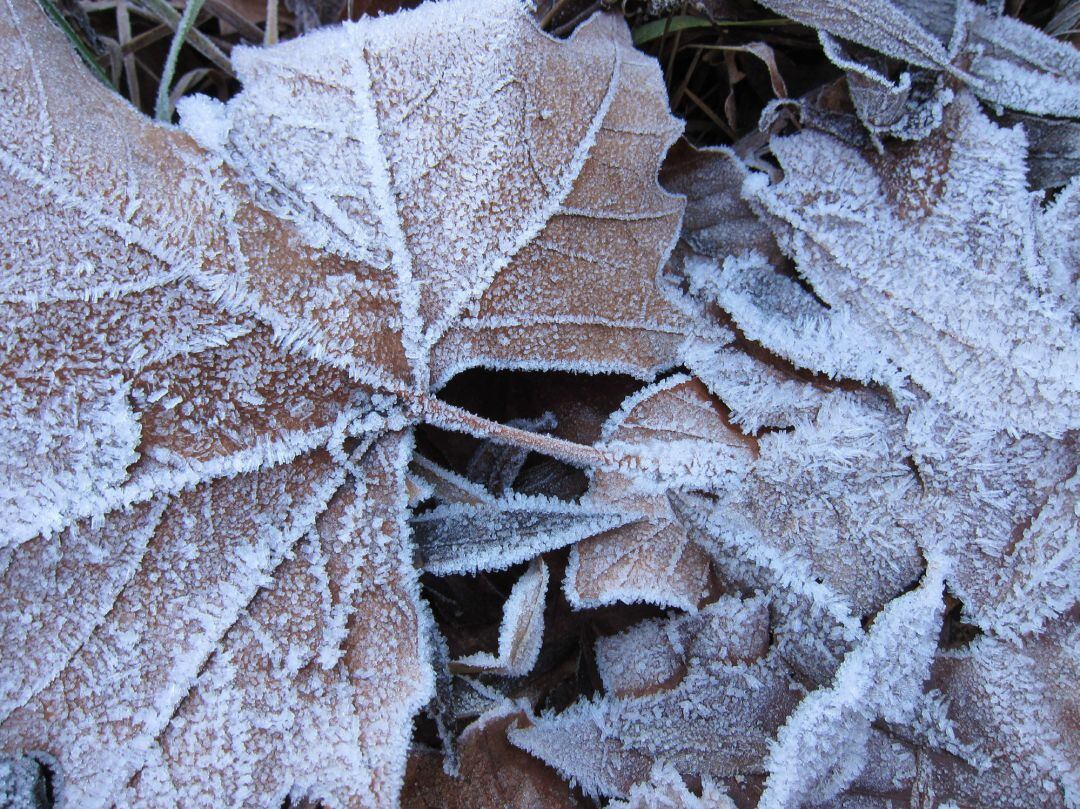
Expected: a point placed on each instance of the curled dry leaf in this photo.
(520, 632)
(207, 397)
(1000, 58)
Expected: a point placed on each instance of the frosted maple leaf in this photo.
(986, 415)
(897, 263)
(217, 340)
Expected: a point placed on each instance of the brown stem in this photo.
(449, 417)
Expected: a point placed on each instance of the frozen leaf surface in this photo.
(474, 529)
(955, 206)
(823, 746)
(1000, 58)
(990, 500)
(986, 484)
(207, 397)
(666, 789)
(715, 720)
(1016, 705)
(675, 438)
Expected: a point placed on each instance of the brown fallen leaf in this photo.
(494, 773)
(656, 558)
(208, 396)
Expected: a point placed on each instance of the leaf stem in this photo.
(449, 417)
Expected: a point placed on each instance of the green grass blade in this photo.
(163, 108)
(655, 30)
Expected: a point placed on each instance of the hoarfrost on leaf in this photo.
(714, 719)
(207, 397)
(521, 630)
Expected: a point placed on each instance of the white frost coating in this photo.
(714, 721)
(877, 24)
(1016, 700)
(206, 120)
(757, 394)
(821, 748)
(959, 211)
(19, 783)
(668, 437)
(1000, 58)
(661, 448)
(1019, 66)
(655, 653)
(666, 789)
(225, 539)
(774, 310)
(392, 103)
(62, 587)
(521, 630)
(467, 538)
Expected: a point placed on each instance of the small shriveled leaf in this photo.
(475, 530)
(654, 655)
(674, 430)
(823, 746)
(715, 720)
(520, 632)
(494, 773)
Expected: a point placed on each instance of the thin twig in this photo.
(716, 119)
(567, 27)
(556, 7)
